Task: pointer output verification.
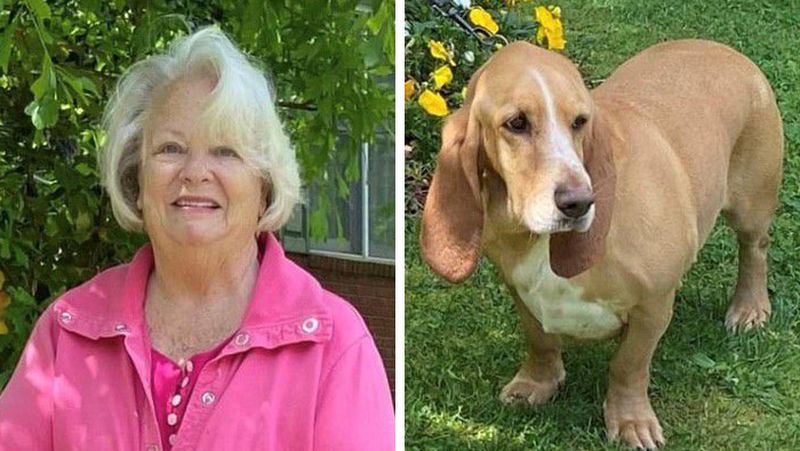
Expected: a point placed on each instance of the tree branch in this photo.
(308, 106)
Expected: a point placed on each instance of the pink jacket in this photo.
(302, 373)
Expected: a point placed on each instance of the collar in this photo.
(287, 305)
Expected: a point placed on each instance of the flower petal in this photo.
(550, 27)
(410, 89)
(433, 103)
(480, 17)
(439, 51)
(442, 76)
(556, 41)
(545, 17)
(540, 36)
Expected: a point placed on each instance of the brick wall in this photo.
(369, 287)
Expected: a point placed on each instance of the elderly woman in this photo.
(210, 339)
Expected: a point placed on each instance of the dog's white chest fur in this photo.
(556, 302)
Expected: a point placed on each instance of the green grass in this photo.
(712, 391)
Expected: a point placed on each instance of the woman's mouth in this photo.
(194, 203)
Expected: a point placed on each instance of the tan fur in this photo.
(680, 133)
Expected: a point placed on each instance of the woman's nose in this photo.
(196, 168)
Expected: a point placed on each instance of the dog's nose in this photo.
(573, 202)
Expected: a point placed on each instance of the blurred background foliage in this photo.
(60, 60)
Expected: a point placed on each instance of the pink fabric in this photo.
(301, 373)
(170, 379)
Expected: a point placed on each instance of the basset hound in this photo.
(593, 205)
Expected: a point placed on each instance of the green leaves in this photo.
(46, 81)
(44, 108)
(43, 112)
(7, 43)
(40, 8)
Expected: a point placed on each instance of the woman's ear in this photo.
(452, 220)
(572, 253)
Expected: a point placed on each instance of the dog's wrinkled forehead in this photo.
(515, 73)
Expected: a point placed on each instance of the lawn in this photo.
(711, 390)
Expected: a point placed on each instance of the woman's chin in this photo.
(197, 235)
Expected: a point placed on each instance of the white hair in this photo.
(241, 107)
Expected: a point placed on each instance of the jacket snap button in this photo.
(310, 325)
(66, 317)
(208, 398)
(242, 339)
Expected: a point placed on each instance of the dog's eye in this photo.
(579, 122)
(519, 124)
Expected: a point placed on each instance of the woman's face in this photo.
(195, 189)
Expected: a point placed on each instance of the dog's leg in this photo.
(750, 306)
(543, 371)
(753, 184)
(628, 413)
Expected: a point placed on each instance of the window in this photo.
(360, 226)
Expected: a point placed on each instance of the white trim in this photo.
(365, 200)
(352, 257)
(399, 228)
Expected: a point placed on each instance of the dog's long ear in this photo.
(452, 220)
(572, 253)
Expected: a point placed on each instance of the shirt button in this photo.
(66, 317)
(152, 448)
(172, 439)
(242, 339)
(172, 419)
(175, 400)
(189, 366)
(310, 325)
(208, 398)
(185, 382)
(121, 327)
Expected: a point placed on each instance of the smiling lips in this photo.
(195, 203)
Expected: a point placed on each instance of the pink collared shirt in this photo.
(301, 373)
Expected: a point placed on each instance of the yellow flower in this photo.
(410, 89)
(481, 18)
(4, 302)
(438, 51)
(442, 76)
(433, 103)
(550, 28)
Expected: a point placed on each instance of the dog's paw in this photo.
(634, 423)
(745, 315)
(524, 390)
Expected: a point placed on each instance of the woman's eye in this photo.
(227, 152)
(170, 148)
(518, 124)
